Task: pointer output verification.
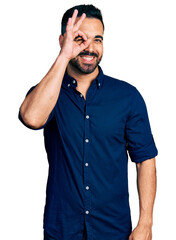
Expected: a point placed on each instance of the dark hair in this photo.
(90, 11)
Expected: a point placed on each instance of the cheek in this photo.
(100, 50)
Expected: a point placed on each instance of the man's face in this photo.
(87, 60)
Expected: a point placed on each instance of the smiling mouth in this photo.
(87, 58)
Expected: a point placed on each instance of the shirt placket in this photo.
(86, 145)
(87, 183)
(86, 156)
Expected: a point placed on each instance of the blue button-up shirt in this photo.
(87, 144)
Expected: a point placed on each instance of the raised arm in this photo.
(39, 103)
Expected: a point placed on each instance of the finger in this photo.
(79, 22)
(130, 237)
(81, 34)
(85, 44)
(75, 13)
(68, 27)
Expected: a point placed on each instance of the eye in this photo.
(79, 39)
(98, 40)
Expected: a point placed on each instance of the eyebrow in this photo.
(99, 36)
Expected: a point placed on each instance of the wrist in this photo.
(146, 221)
(63, 57)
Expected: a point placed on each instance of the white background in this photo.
(139, 47)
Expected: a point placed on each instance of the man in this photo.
(91, 121)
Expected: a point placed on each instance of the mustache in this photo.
(88, 54)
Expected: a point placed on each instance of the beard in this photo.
(85, 68)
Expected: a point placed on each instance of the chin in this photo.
(87, 69)
(83, 67)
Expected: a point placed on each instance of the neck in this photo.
(82, 78)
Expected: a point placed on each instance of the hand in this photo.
(69, 47)
(141, 232)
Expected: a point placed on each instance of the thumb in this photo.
(85, 44)
(130, 237)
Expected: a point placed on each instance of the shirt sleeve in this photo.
(49, 118)
(140, 141)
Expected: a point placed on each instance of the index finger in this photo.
(79, 22)
(75, 13)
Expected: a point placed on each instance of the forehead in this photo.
(91, 26)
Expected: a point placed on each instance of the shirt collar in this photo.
(69, 81)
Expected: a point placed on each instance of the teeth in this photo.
(88, 58)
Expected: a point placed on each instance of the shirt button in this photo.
(99, 84)
(87, 187)
(74, 81)
(80, 95)
(87, 140)
(68, 85)
(87, 212)
(86, 164)
(87, 116)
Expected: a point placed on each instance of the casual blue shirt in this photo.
(87, 144)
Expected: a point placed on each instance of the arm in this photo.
(39, 103)
(146, 184)
(37, 106)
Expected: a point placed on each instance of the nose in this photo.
(90, 47)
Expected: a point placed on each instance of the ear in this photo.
(61, 40)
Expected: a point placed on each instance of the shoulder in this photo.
(119, 85)
(122, 89)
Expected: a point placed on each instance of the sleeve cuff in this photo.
(144, 154)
